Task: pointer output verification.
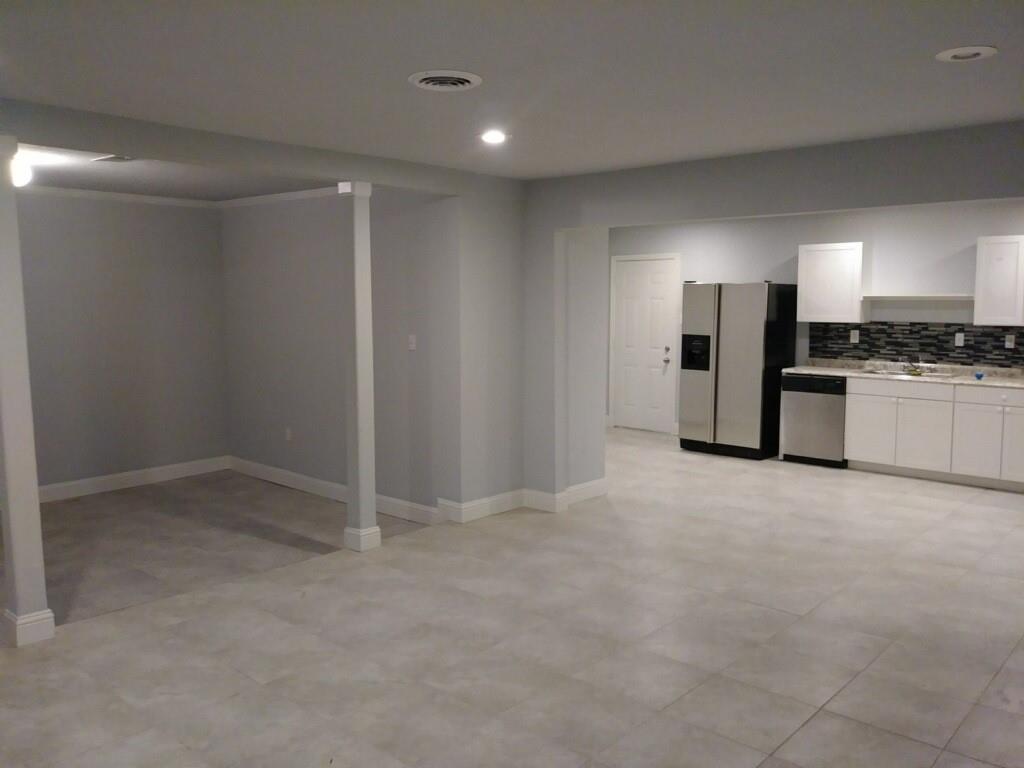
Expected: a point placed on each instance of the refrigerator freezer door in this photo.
(697, 382)
(741, 327)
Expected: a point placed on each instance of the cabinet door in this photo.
(924, 434)
(829, 285)
(871, 428)
(1013, 444)
(999, 281)
(977, 439)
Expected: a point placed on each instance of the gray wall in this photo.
(964, 164)
(415, 292)
(284, 300)
(490, 393)
(125, 331)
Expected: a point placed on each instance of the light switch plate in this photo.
(958, 339)
(1011, 341)
(854, 336)
(412, 342)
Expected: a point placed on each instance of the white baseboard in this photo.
(559, 502)
(467, 511)
(409, 510)
(27, 628)
(457, 511)
(90, 485)
(406, 510)
(289, 479)
(362, 539)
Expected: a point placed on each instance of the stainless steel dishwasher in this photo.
(813, 419)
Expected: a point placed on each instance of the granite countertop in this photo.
(954, 374)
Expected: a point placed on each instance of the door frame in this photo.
(610, 415)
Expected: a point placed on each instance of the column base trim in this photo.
(362, 539)
(559, 502)
(28, 628)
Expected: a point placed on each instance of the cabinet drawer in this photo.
(922, 390)
(965, 393)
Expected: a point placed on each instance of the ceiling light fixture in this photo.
(493, 136)
(967, 53)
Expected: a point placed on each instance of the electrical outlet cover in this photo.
(1011, 341)
(958, 339)
(855, 336)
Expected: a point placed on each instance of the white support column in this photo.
(26, 617)
(361, 531)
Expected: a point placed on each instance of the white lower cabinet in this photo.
(978, 440)
(1013, 444)
(871, 428)
(923, 430)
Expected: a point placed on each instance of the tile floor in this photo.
(114, 550)
(709, 612)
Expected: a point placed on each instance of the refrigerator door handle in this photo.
(713, 372)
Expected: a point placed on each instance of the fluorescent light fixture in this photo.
(21, 170)
(493, 136)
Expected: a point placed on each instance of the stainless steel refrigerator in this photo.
(737, 338)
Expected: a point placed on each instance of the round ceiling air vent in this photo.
(445, 80)
(967, 53)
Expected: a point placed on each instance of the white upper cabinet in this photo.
(829, 286)
(999, 281)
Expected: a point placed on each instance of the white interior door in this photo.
(645, 343)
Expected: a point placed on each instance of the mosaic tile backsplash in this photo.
(933, 342)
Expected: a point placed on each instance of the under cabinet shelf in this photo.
(921, 297)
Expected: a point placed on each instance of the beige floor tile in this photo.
(831, 741)
(667, 742)
(647, 677)
(953, 760)
(498, 745)
(578, 716)
(941, 672)
(749, 715)
(993, 736)
(900, 708)
(1006, 691)
(831, 642)
(788, 673)
(150, 749)
(560, 647)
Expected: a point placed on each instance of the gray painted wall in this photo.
(284, 300)
(125, 330)
(965, 164)
(490, 290)
(415, 292)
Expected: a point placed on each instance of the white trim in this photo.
(27, 628)
(362, 539)
(123, 197)
(289, 479)
(409, 510)
(559, 502)
(90, 485)
(388, 505)
(277, 197)
(574, 494)
(467, 511)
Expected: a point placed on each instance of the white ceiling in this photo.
(580, 85)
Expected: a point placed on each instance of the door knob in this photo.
(666, 360)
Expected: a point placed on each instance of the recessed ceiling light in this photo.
(967, 53)
(493, 136)
(445, 80)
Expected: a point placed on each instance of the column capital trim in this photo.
(355, 188)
